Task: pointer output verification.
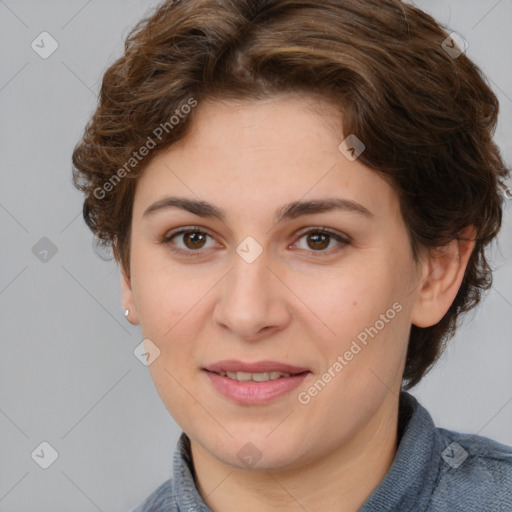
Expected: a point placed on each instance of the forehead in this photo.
(254, 154)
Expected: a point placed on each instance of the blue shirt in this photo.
(434, 470)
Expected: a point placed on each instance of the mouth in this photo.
(254, 383)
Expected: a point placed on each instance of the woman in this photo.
(299, 195)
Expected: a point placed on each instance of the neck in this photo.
(341, 480)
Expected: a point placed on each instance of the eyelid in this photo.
(321, 229)
(166, 239)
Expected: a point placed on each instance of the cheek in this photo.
(162, 298)
(353, 298)
(364, 307)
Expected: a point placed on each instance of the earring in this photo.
(126, 312)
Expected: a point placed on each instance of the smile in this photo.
(254, 377)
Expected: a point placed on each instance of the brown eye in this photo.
(194, 239)
(320, 241)
(188, 242)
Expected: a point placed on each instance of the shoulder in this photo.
(160, 500)
(475, 474)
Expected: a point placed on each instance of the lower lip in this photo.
(255, 393)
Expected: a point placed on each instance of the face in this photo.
(318, 299)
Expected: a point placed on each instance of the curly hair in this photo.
(426, 115)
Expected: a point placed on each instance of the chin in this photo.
(258, 451)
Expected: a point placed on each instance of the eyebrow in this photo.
(288, 211)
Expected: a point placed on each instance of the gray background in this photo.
(68, 375)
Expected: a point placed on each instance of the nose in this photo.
(253, 300)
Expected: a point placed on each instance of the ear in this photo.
(126, 286)
(442, 276)
(127, 298)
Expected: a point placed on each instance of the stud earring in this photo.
(126, 312)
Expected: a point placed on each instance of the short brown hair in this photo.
(427, 117)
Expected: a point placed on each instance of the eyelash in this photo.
(343, 241)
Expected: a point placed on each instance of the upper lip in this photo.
(233, 365)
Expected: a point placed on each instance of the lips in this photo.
(233, 366)
(254, 383)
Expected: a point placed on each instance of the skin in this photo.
(301, 302)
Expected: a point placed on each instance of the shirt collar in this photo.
(411, 479)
